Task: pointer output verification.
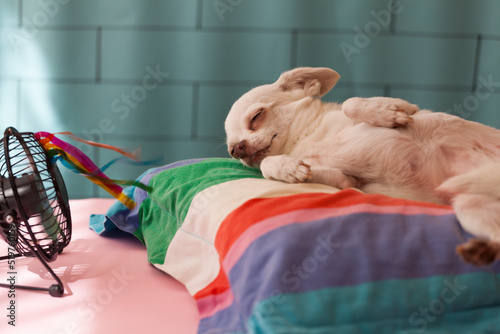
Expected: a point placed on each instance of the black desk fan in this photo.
(34, 210)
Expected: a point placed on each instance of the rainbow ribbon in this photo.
(76, 160)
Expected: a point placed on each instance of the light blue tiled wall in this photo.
(162, 74)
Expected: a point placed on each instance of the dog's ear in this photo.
(315, 81)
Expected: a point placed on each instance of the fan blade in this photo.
(33, 201)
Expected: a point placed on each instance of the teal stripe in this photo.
(163, 212)
(440, 304)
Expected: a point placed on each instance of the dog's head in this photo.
(259, 123)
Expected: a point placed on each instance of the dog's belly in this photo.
(420, 156)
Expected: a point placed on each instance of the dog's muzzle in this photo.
(239, 151)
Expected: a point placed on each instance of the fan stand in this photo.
(55, 290)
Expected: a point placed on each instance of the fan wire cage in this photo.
(33, 197)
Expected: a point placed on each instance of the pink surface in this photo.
(109, 287)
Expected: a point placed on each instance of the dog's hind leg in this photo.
(475, 196)
(480, 216)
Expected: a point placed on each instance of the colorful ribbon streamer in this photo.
(76, 160)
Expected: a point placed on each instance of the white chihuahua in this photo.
(379, 145)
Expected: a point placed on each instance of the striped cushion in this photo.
(263, 256)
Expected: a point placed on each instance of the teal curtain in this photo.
(162, 74)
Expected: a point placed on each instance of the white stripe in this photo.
(191, 257)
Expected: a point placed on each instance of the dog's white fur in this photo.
(379, 145)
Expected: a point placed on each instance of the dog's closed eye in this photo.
(257, 119)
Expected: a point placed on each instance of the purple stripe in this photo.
(367, 247)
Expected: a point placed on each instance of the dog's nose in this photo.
(239, 151)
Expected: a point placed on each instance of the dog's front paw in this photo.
(285, 168)
(479, 251)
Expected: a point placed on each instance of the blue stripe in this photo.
(439, 304)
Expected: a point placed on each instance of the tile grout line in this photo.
(477, 55)
(19, 101)
(195, 110)
(223, 83)
(387, 90)
(294, 48)
(392, 24)
(20, 14)
(198, 27)
(199, 15)
(161, 138)
(98, 60)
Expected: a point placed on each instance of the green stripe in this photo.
(467, 303)
(163, 212)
